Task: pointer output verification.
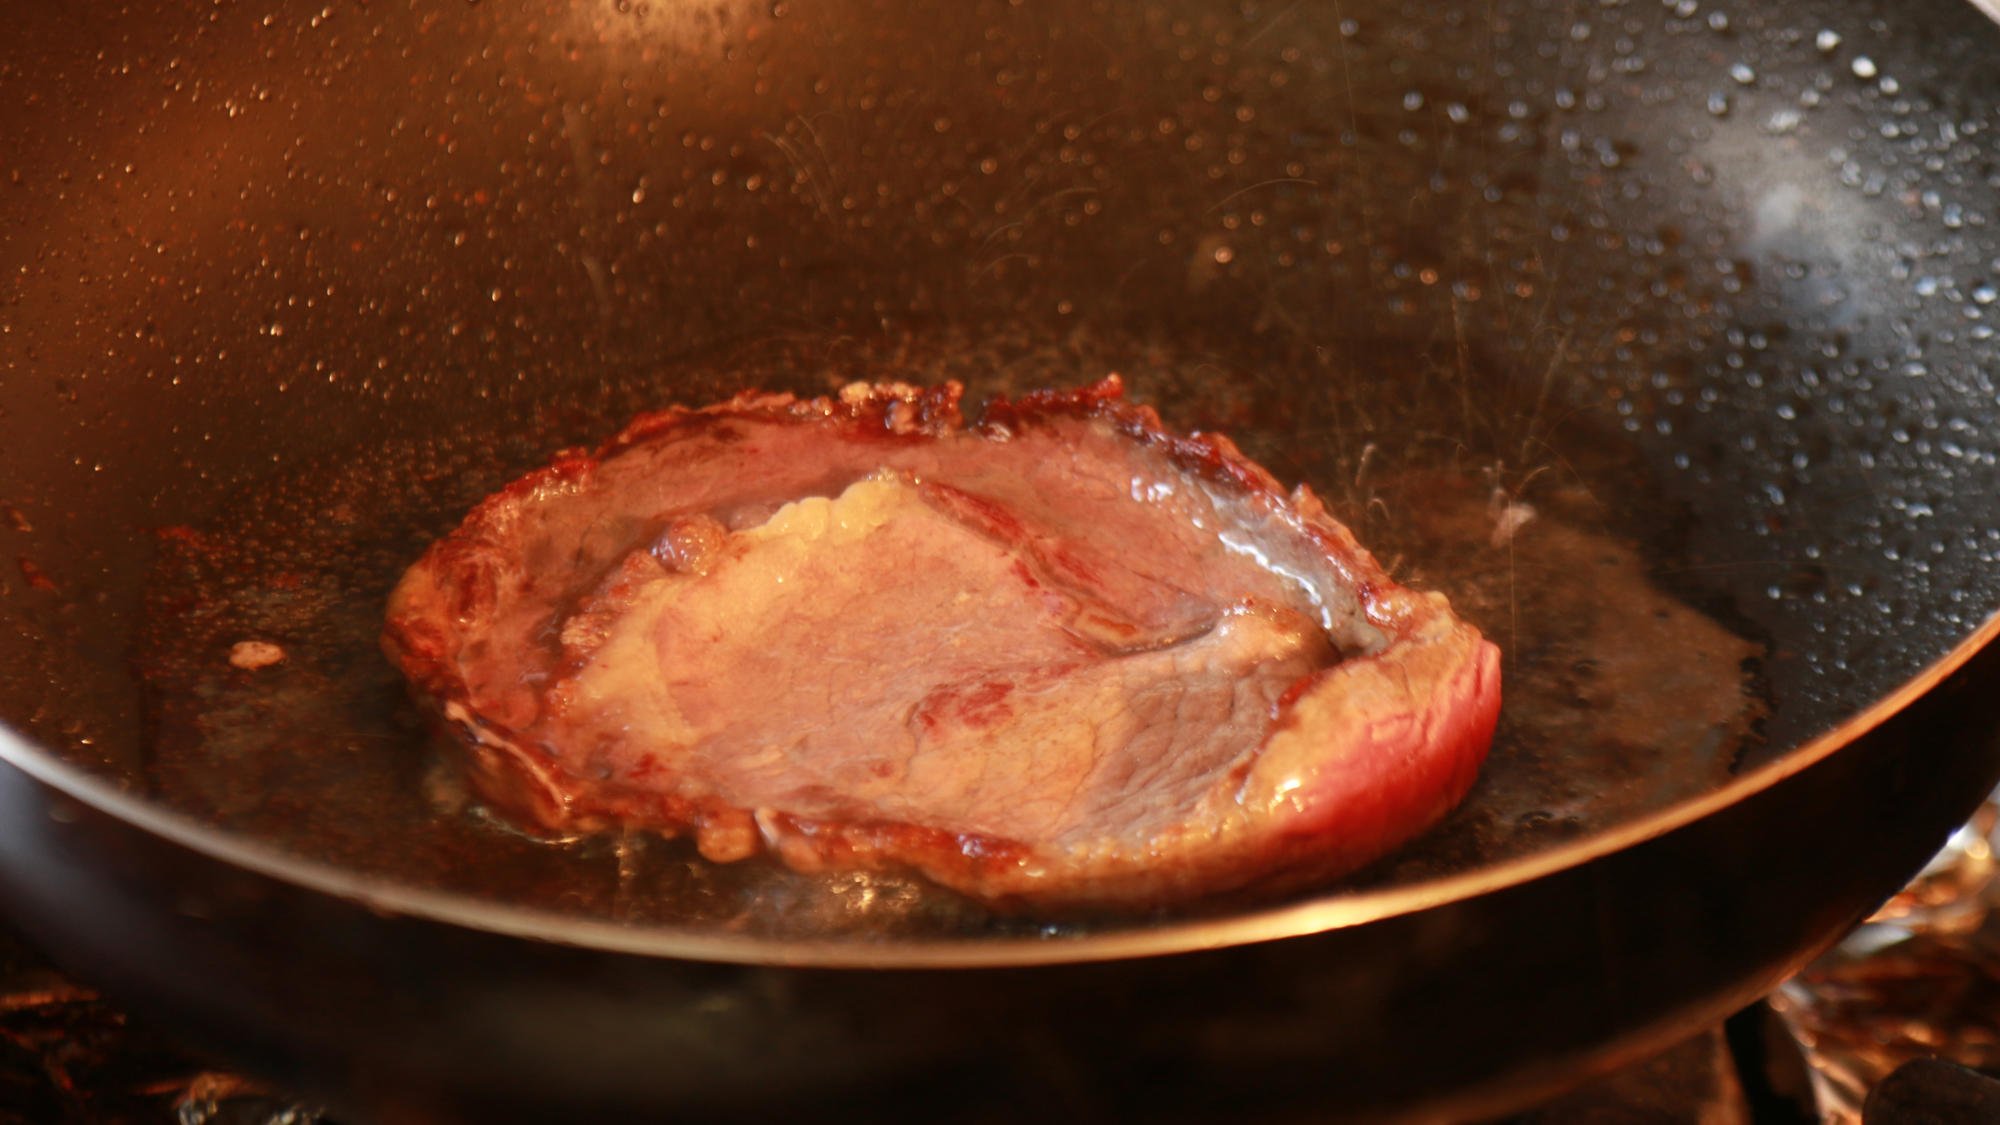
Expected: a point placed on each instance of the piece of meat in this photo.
(1059, 656)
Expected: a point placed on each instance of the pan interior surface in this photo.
(1705, 291)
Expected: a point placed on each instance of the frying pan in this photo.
(1723, 271)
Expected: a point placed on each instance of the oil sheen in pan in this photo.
(1620, 698)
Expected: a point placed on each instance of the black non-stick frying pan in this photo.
(1707, 286)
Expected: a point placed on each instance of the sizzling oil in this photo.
(1619, 698)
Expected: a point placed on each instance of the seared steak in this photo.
(1057, 656)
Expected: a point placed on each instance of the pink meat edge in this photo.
(1409, 729)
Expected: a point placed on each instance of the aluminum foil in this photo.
(1919, 979)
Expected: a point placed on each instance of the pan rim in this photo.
(1299, 919)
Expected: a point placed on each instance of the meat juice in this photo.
(1619, 698)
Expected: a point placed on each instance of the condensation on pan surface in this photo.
(1709, 282)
